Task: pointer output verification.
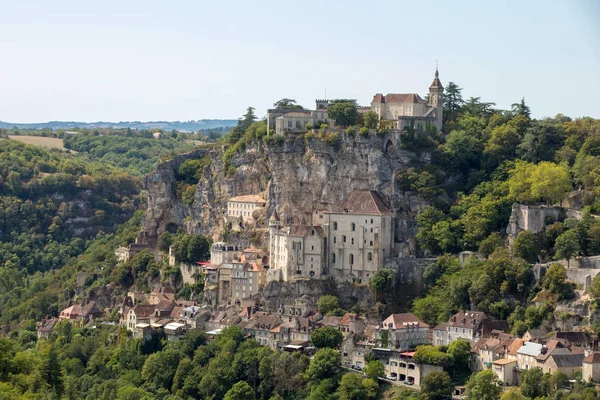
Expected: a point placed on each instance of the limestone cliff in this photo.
(296, 177)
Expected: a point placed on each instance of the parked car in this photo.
(407, 382)
(390, 377)
(356, 368)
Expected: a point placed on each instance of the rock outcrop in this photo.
(296, 177)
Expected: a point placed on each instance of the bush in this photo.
(333, 139)
(350, 131)
(364, 132)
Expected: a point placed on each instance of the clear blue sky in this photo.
(179, 60)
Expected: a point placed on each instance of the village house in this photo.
(488, 350)
(591, 367)
(124, 254)
(402, 331)
(356, 346)
(401, 367)
(468, 325)
(260, 326)
(505, 369)
(295, 121)
(46, 327)
(82, 313)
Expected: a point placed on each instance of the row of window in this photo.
(351, 240)
(352, 225)
(351, 258)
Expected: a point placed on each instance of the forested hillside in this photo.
(490, 160)
(51, 205)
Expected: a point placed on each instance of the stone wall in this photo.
(534, 218)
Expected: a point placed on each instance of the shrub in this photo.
(350, 131)
(333, 139)
(364, 132)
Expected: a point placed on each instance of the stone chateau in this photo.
(398, 110)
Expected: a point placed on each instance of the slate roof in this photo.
(398, 98)
(568, 360)
(144, 310)
(467, 319)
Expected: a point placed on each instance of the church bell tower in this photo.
(436, 99)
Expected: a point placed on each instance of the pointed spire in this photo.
(436, 84)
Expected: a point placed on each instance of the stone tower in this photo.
(274, 225)
(436, 99)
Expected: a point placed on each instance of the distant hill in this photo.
(183, 126)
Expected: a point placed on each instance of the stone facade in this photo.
(295, 251)
(243, 206)
(398, 110)
(355, 240)
(402, 331)
(410, 110)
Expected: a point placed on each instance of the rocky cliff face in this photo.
(295, 177)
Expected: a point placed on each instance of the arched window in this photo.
(370, 256)
(335, 226)
(352, 240)
(333, 258)
(351, 259)
(353, 227)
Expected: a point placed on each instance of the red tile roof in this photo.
(593, 358)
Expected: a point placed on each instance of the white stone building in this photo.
(243, 206)
(360, 235)
(295, 251)
(402, 331)
(356, 239)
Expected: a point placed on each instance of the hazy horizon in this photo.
(153, 61)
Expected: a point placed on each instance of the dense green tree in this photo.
(371, 120)
(354, 387)
(453, 102)
(437, 386)
(344, 113)
(490, 244)
(460, 351)
(159, 368)
(525, 246)
(432, 355)
(325, 364)
(531, 383)
(326, 336)
(287, 104)
(567, 246)
(381, 281)
(327, 303)
(374, 370)
(484, 385)
(51, 373)
(240, 391)
(198, 248)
